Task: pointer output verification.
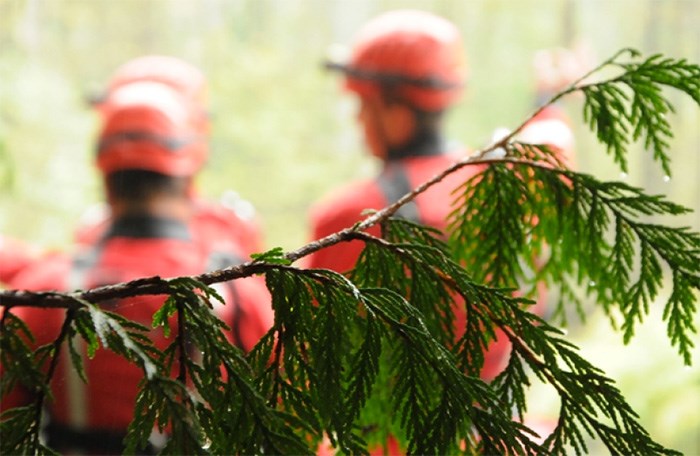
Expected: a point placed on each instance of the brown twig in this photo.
(156, 285)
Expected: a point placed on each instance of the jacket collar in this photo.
(145, 226)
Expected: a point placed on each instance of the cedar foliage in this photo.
(356, 357)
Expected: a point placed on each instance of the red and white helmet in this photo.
(149, 127)
(416, 55)
(185, 79)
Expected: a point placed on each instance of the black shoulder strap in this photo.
(394, 183)
(82, 263)
(220, 260)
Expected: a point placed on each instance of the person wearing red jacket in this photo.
(231, 220)
(554, 69)
(406, 68)
(149, 152)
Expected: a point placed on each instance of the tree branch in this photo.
(157, 285)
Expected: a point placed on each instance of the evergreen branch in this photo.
(406, 269)
(413, 390)
(317, 322)
(19, 427)
(579, 244)
(23, 426)
(583, 385)
(457, 389)
(587, 396)
(205, 336)
(364, 368)
(620, 116)
(605, 110)
(16, 439)
(160, 402)
(16, 356)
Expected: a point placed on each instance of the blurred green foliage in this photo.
(283, 133)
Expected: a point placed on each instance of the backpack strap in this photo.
(220, 260)
(394, 183)
(81, 265)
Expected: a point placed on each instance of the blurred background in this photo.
(283, 132)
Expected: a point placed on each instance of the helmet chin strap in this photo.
(423, 143)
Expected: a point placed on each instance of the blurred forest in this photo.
(283, 132)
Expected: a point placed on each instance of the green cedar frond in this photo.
(632, 281)
(590, 402)
(679, 311)
(205, 335)
(560, 365)
(327, 352)
(412, 394)
(20, 428)
(410, 268)
(578, 228)
(341, 348)
(84, 326)
(398, 230)
(16, 439)
(76, 355)
(538, 153)
(457, 389)
(16, 357)
(162, 401)
(363, 369)
(272, 256)
(489, 225)
(632, 106)
(511, 384)
(128, 343)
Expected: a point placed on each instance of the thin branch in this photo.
(41, 394)
(182, 346)
(157, 285)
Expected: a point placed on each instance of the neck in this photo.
(175, 208)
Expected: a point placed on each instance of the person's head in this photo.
(182, 77)
(406, 67)
(148, 146)
(556, 68)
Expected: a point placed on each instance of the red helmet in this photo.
(149, 127)
(180, 76)
(183, 77)
(416, 55)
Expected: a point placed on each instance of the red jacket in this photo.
(345, 207)
(133, 248)
(552, 127)
(233, 225)
(15, 255)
